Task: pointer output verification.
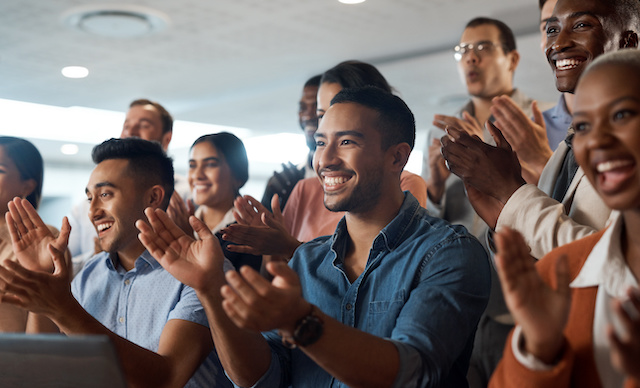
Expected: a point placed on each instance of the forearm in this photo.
(354, 357)
(552, 227)
(244, 355)
(142, 367)
(38, 323)
(290, 246)
(435, 191)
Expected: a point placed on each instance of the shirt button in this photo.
(121, 319)
(127, 282)
(348, 306)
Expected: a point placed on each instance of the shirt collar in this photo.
(605, 266)
(560, 110)
(389, 237)
(144, 259)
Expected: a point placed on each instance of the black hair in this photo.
(507, 39)
(165, 116)
(396, 122)
(234, 153)
(541, 3)
(313, 81)
(627, 14)
(148, 164)
(355, 74)
(28, 161)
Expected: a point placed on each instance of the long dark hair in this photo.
(28, 160)
(234, 153)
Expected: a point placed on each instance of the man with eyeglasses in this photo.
(487, 59)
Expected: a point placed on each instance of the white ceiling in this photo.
(242, 62)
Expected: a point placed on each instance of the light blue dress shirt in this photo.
(424, 287)
(137, 304)
(557, 120)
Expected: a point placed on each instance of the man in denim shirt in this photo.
(391, 299)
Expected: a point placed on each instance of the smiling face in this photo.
(144, 121)
(607, 141)
(349, 158)
(577, 33)
(11, 184)
(545, 14)
(210, 177)
(116, 202)
(489, 73)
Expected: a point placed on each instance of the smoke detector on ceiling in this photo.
(115, 20)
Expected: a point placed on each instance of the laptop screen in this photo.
(55, 360)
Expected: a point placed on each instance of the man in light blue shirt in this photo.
(391, 299)
(157, 324)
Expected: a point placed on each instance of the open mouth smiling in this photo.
(568, 63)
(333, 182)
(104, 226)
(610, 165)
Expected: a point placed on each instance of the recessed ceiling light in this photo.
(75, 71)
(69, 149)
(115, 20)
(351, 1)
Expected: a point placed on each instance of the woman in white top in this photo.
(218, 168)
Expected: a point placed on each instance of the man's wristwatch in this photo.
(308, 330)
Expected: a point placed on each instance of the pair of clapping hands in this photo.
(39, 280)
(257, 231)
(491, 174)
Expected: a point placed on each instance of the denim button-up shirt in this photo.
(424, 287)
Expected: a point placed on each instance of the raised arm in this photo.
(352, 356)
(540, 310)
(199, 263)
(183, 345)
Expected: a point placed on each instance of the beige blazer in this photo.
(544, 222)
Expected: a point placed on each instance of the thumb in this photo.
(59, 263)
(191, 208)
(280, 269)
(538, 118)
(275, 207)
(200, 228)
(63, 238)
(501, 142)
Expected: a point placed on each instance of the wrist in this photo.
(510, 189)
(549, 352)
(435, 191)
(293, 244)
(297, 314)
(307, 330)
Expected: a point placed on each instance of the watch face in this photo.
(308, 331)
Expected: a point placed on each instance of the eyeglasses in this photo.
(480, 48)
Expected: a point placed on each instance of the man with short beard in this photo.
(392, 298)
